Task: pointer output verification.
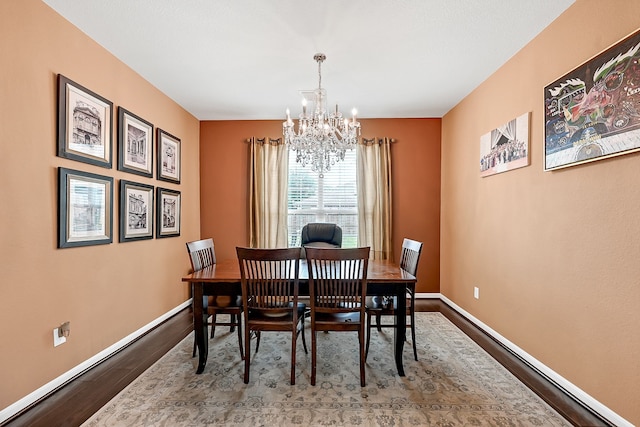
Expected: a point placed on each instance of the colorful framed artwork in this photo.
(135, 144)
(506, 147)
(168, 157)
(167, 212)
(136, 211)
(85, 208)
(84, 124)
(593, 112)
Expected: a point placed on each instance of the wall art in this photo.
(506, 147)
(85, 208)
(593, 112)
(168, 157)
(136, 211)
(84, 124)
(135, 144)
(168, 212)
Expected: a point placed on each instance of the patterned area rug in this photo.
(454, 383)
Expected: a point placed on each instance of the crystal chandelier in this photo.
(321, 139)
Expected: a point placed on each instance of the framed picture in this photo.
(168, 157)
(168, 212)
(84, 124)
(136, 211)
(593, 112)
(506, 147)
(85, 208)
(135, 144)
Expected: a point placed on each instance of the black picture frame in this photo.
(135, 144)
(168, 157)
(591, 113)
(136, 211)
(85, 208)
(85, 124)
(168, 212)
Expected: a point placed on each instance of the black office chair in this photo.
(321, 235)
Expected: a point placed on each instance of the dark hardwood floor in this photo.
(76, 401)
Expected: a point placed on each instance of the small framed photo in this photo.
(168, 157)
(135, 144)
(168, 212)
(85, 208)
(84, 124)
(505, 148)
(136, 211)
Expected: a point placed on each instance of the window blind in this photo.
(332, 198)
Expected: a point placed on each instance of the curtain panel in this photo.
(268, 186)
(374, 197)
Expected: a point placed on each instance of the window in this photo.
(332, 198)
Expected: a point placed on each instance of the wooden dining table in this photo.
(223, 278)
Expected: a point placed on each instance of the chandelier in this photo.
(321, 139)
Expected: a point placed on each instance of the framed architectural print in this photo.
(168, 157)
(136, 211)
(85, 208)
(506, 147)
(593, 112)
(168, 212)
(135, 144)
(84, 124)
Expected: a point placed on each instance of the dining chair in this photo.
(386, 305)
(202, 254)
(270, 296)
(337, 288)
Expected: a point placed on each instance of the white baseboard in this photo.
(544, 370)
(43, 391)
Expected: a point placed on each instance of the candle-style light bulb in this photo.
(354, 112)
(304, 105)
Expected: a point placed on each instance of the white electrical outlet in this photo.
(476, 292)
(58, 340)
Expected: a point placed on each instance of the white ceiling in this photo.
(249, 59)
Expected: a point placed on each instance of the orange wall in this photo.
(555, 254)
(224, 157)
(108, 291)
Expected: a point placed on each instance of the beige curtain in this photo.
(268, 185)
(374, 197)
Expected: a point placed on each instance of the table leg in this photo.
(400, 331)
(200, 327)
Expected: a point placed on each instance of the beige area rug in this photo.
(454, 383)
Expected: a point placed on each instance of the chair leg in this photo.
(304, 341)
(257, 340)
(294, 335)
(413, 331)
(379, 320)
(195, 344)
(247, 355)
(213, 324)
(240, 337)
(366, 351)
(362, 355)
(313, 357)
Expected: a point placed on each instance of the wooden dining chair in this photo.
(202, 254)
(409, 258)
(338, 288)
(270, 297)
